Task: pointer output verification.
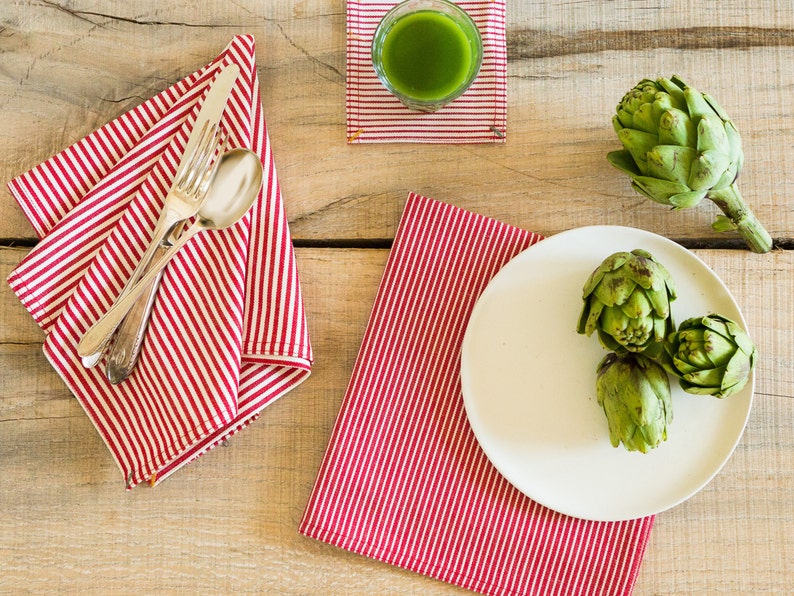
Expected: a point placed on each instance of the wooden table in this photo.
(229, 521)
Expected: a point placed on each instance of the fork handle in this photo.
(126, 347)
(99, 334)
(167, 224)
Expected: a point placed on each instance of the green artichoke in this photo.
(680, 147)
(710, 355)
(627, 300)
(634, 392)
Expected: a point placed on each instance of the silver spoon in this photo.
(234, 190)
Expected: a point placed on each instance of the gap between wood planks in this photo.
(385, 243)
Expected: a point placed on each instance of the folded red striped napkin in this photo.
(228, 334)
(376, 116)
(404, 480)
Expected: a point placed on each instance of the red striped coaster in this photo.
(376, 116)
(404, 480)
(228, 334)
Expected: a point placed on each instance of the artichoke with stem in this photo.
(627, 301)
(634, 392)
(710, 355)
(680, 147)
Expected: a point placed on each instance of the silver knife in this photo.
(167, 227)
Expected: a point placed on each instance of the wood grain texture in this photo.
(228, 522)
(69, 68)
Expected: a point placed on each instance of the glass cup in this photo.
(427, 53)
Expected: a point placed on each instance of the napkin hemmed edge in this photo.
(18, 192)
(218, 438)
(387, 556)
(163, 465)
(31, 304)
(416, 565)
(160, 460)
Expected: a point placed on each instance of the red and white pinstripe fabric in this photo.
(376, 116)
(228, 333)
(403, 479)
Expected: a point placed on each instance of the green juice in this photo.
(428, 56)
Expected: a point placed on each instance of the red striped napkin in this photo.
(228, 334)
(403, 479)
(376, 116)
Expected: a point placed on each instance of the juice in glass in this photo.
(427, 52)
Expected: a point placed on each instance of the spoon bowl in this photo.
(233, 191)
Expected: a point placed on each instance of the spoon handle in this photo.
(100, 332)
(123, 354)
(165, 226)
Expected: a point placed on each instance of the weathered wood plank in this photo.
(68, 70)
(228, 521)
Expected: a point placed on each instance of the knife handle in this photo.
(125, 349)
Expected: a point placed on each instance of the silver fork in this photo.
(182, 202)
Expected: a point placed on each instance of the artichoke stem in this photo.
(731, 203)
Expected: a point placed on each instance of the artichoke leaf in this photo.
(714, 322)
(638, 143)
(660, 300)
(682, 367)
(661, 328)
(711, 377)
(742, 339)
(675, 89)
(735, 144)
(643, 119)
(610, 264)
(676, 128)
(723, 224)
(716, 107)
(671, 162)
(637, 305)
(711, 136)
(658, 190)
(728, 177)
(696, 105)
(690, 198)
(661, 104)
(697, 389)
(624, 162)
(588, 320)
(609, 342)
(737, 372)
(707, 169)
(719, 348)
(622, 119)
(614, 288)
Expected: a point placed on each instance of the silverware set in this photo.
(214, 186)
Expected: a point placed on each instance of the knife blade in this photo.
(210, 112)
(175, 211)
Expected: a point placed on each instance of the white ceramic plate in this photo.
(529, 384)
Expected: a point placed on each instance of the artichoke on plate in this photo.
(627, 300)
(680, 147)
(634, 392)
(710, 355)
